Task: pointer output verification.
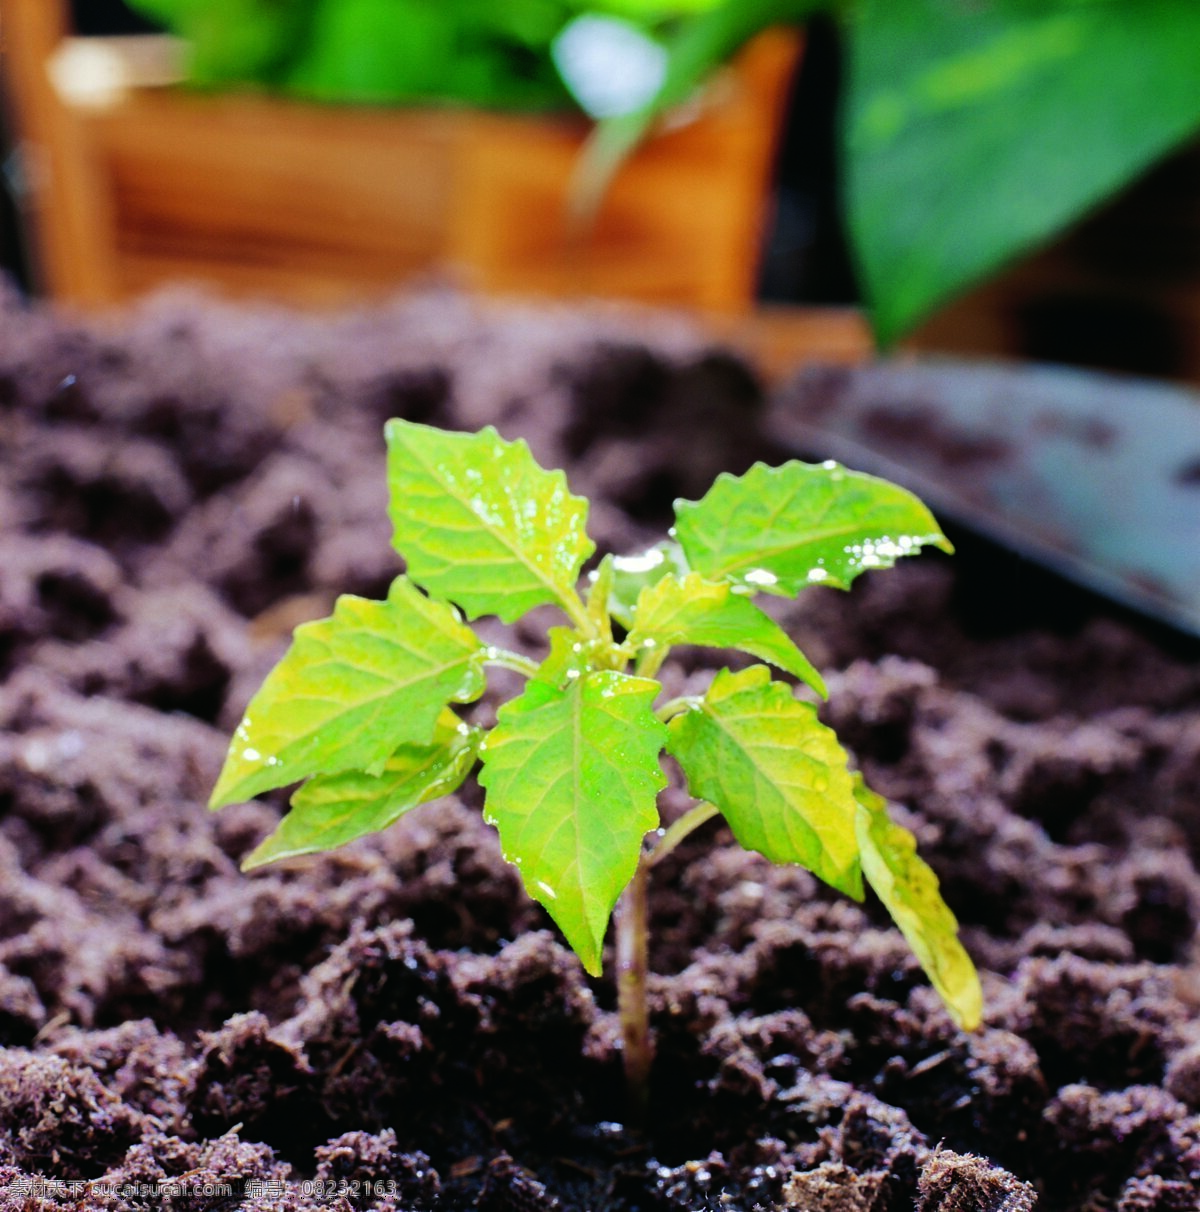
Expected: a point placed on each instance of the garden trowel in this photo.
(1095, 476)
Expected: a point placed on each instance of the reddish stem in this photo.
(632, 919)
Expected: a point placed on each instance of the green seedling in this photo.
(362, 704)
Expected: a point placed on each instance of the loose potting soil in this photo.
(395, 1025)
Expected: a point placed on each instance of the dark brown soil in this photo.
(396, 1025)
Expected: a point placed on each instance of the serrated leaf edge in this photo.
(799, 665)
(448, 781)
(966, 1009)
(739, 570)
(564, 596)
(760, 676)
(228, 790)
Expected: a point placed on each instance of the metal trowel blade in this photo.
(1095, 476)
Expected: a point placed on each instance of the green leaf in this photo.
(374, 51)
(569, 657)
(572, 655)
(909, 891)
(777, 774)
(691, 610)
(600, 587)
(350, 689)
(572, 776)
(651, 11)
(333, 809)
(232, 41)
(479, 523)
(780, 529)
(632, 574)
(974, 131)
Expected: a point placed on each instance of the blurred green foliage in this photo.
(477, 52)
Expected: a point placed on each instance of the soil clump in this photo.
(395, 1025)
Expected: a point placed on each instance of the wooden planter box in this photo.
(325, 205)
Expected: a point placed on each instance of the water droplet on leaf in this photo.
(646, 562)
(760, 576)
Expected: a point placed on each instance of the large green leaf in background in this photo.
(975, 131)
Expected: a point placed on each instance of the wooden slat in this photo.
(259, 196)
(68, 213)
